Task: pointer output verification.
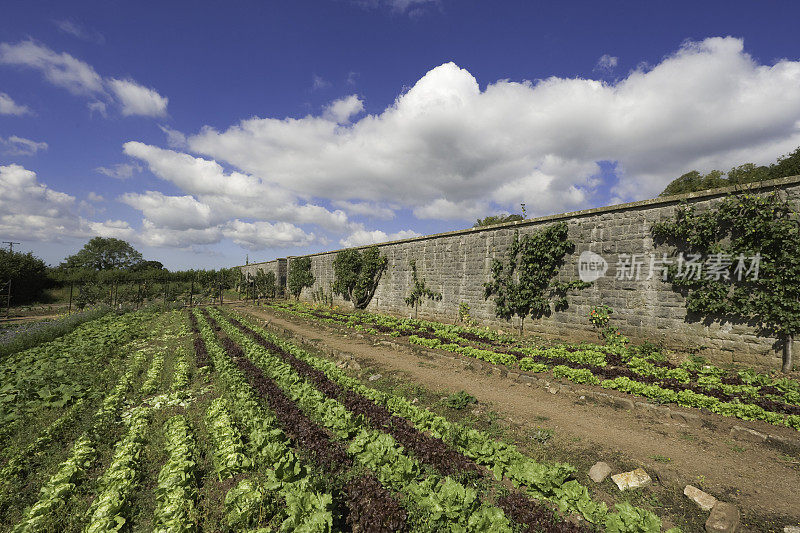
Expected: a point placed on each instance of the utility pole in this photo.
(8, 294)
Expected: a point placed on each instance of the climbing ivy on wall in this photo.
(356, 275)
(735, 231)
(525, 285)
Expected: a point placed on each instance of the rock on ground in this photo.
(724, 518)
(631, 480)
(703, 500)
(599, 472)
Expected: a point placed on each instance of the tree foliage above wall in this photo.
(356, 275)
(692, 181)
(738, 228)
(525, 284)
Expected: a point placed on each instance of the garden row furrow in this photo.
(550, 482)
(544, 524)
(754, 397)
(430, 450)
(327, 453)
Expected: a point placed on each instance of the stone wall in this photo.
(457, 264)
(278, 266)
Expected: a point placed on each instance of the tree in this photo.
(526, 285)
(104, 253)
(497, 219)
(356, 275)
(419, 291)
(265, 284)
(28, 275)
(145, 266)
(735, 232)
(300, 276)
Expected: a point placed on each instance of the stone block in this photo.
(703, 500)
(599, 472)
(724, 518)
(750, 435)
(692, 419)
(631, 480)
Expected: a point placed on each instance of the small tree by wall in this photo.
(300, 276)
(732, 235)
(525, 284)
(356, 275)
(419, 291)
(264, 284)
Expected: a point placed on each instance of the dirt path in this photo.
(750, 475)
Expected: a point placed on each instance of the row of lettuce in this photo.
(639, 370)
(433, 501)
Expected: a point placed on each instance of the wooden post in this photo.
(191, 292)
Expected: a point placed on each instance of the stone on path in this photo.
(791, 529)
(724, 518)
(751, 435)
(703, 500)
(599, 472)
(375, 377)
(631, 480)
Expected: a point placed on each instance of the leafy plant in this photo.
(419, 290)
(739, 227)
(525, 285)
(356, 275)
(460, 400)
(300, 276)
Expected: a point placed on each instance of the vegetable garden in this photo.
(203, 421)
(637, 370)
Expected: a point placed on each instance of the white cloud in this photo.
(173, 212)
(9, 107)
(340, 111)
(20, 146)
(234, 194)
(410, 7)
(175, 139)
(606, 62)
(120, 171)
(318, 83)
(31, 210)
(80, 78)
(70, 27)
(118, 229)
(153, 235)
(59, 69)
(361, 237)
(261, 235)
(97, 107)
(367, 209)
(445, 142)
(138, 100)
(444, 209)
(94, 197)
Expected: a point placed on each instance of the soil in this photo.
(756, 477)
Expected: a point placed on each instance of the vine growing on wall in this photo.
(419, 291)
(356, 275)
(525, 284)
(758, 239)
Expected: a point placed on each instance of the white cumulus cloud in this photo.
(362, 237)
(136, 99)
(446, 146)
(14, 145)
(120, 171)
(9, 107)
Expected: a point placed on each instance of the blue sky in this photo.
(202, 132)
